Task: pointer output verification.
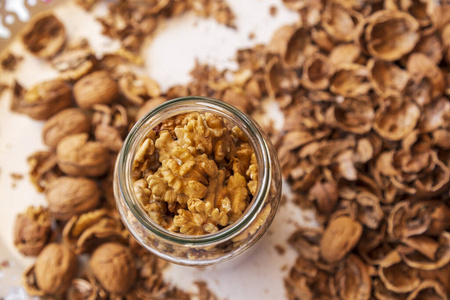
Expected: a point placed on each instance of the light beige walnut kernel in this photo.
(194, 174)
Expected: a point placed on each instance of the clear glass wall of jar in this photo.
(211, 248)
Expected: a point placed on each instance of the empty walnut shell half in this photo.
(95, 88)
(396, 117)
(341, 22)
(354, 279)
(340, 237)
(428, 289)
(428, 255)
(86, 231)
(70, 196)
(396, 275)
(113, 266)
(32, 230)
(43, 100)
(44, 36)
(75, 61)
(351, 115)
(79, 157)
(66, 122)
(351, 80)
(278, 79)
(138, 89)
(317, 71)
(387, 77)
(53, 272)
(391, 34)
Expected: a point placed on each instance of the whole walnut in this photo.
(113, 266)
(79, 157)
(95, 88)
(55, 268)
(43, 100)
(69, 196)
(66, 122)
(32, 230)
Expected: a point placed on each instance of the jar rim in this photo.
(125, 161)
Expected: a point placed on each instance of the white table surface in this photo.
(169, 58)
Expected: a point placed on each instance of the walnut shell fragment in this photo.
(354, 279)
(341, 22)
(138, 89)
(75, 61)
(53, 272)
(428, 289)
(350, 80)
(396, 275)
(32, 230)
(95, 88)
(113, 266)
(351, 115)
(341, 235)
(42, 100)
(391, 34)
(86, 231)
(66, 122)
(387, 77)
(44, 36)
(396, 117)
(438, 254)
(317, 71)
(43, 169)
(69, 196)
(79, 157)
(110, 125)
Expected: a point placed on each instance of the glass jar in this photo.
(210, 248)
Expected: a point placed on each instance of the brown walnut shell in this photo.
(43, 100)
(32, 230)
(79, 157)
(396, 275)
(354, 279)
(53, 272)
(95, 88)
(43, 169)
(340, 237)
(391, 34)
(113, 266)
(396, 117)
(341, 22)
(44, 36)
(70, 196)
(66, 122)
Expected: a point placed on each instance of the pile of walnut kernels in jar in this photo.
(364, 87)
(195, 175)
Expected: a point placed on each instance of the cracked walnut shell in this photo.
(42, 100)
(44, 36)
(32, 230)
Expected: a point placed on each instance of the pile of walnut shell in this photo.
(364, 87)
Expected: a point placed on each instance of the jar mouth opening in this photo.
(183, 105)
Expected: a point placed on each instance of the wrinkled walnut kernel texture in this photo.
(195, 175)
